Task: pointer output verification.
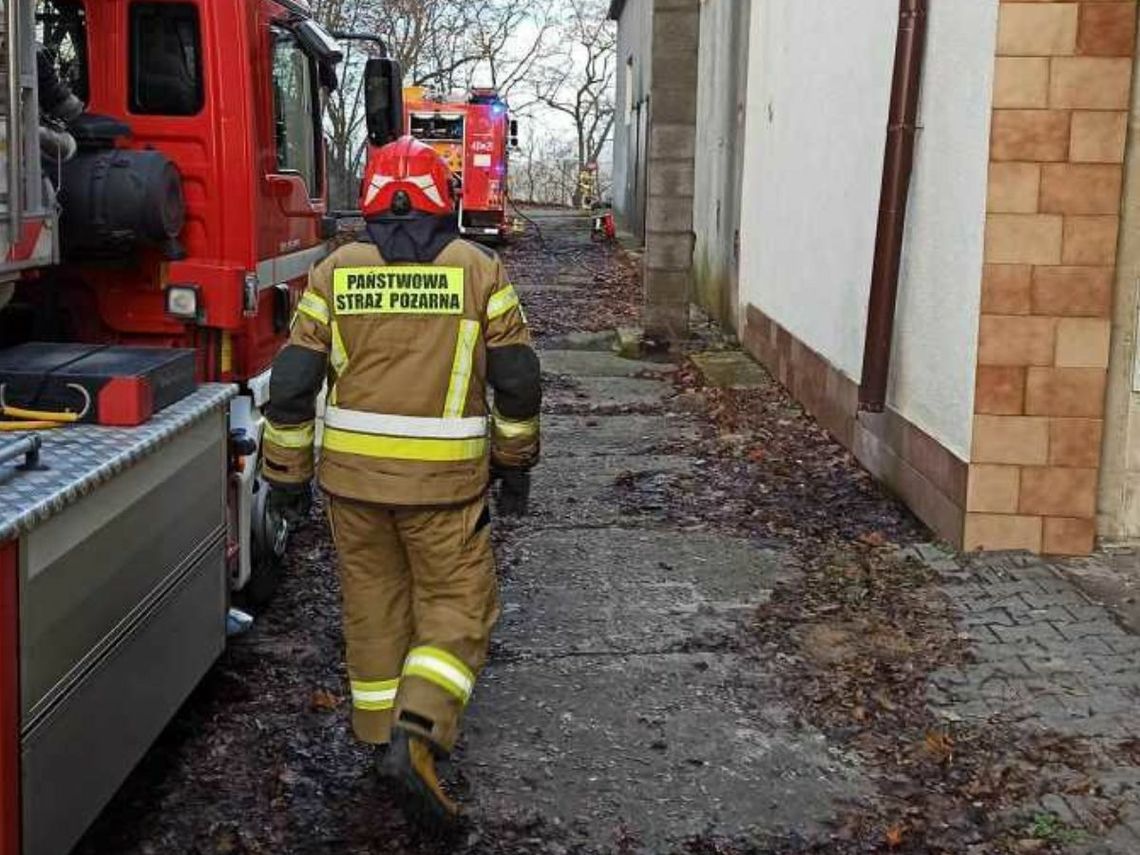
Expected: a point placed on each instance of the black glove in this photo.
(514, 492)
(290, 502)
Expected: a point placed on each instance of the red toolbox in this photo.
(107, 385)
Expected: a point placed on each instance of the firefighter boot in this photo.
(410, 765)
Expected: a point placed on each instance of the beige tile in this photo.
(1058, 491)
(1075, 442)
(1021, 82)
(1090, 83)
(1037, 29)
(1024, 239)
(993, 489)
(1012, 440)
(1107, 29)
(1069, 536)
(1006, 289)
(1069, 392)
(1090, 240)
(1016, 340)
(1087, 188)
(996, 532)
(1072, 291)
(1030, 135)
(1098, 137)
(1014, 188)
(1000, 390)
(1082, 343)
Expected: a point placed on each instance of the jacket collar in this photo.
(417, 238)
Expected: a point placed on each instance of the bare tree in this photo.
(443, 44)
(579, 82)
(543, 169)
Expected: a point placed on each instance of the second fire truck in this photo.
(474, 132)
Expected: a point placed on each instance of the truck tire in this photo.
(270, 541)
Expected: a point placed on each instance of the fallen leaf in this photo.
(895, 836)
(873, 538)
(325, 700)
(940, 745)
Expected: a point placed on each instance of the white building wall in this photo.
(818, 95)
(936, 326)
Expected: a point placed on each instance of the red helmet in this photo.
(405, 176)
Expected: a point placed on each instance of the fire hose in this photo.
(24, 419)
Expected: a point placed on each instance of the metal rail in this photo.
(28, 448)
(15, 121)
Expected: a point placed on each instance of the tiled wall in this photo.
(1061, 99)
(927, 476)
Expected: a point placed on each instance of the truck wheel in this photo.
(270, 537)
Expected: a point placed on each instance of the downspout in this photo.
(898, 163)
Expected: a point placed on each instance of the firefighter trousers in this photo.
(420, 599)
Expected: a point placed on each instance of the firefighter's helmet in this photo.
(406, 176)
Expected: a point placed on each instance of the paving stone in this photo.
(988, 617)
(1091, 629)
(1042, 633)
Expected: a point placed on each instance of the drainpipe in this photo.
(898, 163)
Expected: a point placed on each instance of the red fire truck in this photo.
(179, 207)
(474, 132)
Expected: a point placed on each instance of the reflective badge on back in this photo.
(410, 290)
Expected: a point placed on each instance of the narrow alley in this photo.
(719, 636)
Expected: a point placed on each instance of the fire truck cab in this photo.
(181, 207)
(474, 132)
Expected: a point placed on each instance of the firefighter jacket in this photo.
(408, 352)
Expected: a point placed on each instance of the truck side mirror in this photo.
(383, 100)
(514, 133)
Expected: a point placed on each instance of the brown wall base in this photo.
(928, 477)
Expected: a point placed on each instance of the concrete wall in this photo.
(818, 92)
(721, 85)
(668, 263)
(631, 128)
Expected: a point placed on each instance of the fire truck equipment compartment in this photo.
(122, 600)
(121, 386)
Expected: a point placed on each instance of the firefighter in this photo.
(409, 328)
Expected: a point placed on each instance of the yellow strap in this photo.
(404, 448)
(39, 415)
(14, 427)
(314, 306)
(510, 429)
(442, 668)
(501, 302)
(456, 401)
(288, 436)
